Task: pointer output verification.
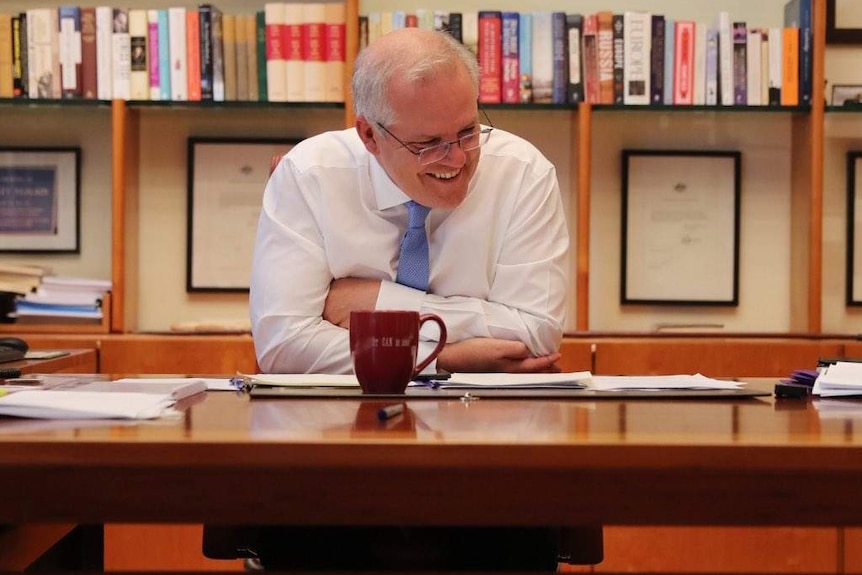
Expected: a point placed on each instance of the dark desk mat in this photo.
(267, 392)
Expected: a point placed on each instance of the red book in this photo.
(490, 57)
(88, 53)
(683, 63)
(193, 54)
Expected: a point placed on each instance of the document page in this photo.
(657, 382)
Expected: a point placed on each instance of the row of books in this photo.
(634, 58)
(42, 297)
(175, 54)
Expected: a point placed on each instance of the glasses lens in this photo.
(433, 154)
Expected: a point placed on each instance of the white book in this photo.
(752, 68)
(543, 58)
(122, 55)
(276, 65)
(43, 48)
(725, 58)
(699, 64)
(70, 50)
(470, 30)
(294, 65)
(313, 26)
(153, 56)
(139, 76)
(179, 56)
(637, 40)
(104, 53)
(335, 40)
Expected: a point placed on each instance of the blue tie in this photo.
(413, 261)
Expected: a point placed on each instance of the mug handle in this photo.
(431, 356)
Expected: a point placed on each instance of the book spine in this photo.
(574, 27)
(490, 47)
(752, 67)
(725, 59)
(455, 27)
(790, 67)
(139, 75)
(216, 33)
(89, 66)
(619, 57)
(712, 83)
(122, 53)
(335, 52)
(292, 39)
(590, 57)
(776, 59)
(250, 22)
(25, 56)
(153, 53)
(241, 60)
(740, 60)
(637, 29)
(797, 14)
(19, 88)
(164, 55)
(228, 22)
(683, 76)
(193, 54)
(656, 68)
(179, 56)
(313, 26)
(70, 51)
(669, 60)
(605, 46)
(700, 37)
(6, 58)
(262, 80)
(543, 58)
(276, 68)
(525, 58)
(104, 53)
(206, 51)
(560, 78)
(511, 82)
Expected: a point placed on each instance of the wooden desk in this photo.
(77, 361)
(751, 462)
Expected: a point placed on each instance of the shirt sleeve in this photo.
(290, 280)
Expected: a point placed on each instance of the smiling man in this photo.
(337, 207)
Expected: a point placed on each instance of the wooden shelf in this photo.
(103, 326)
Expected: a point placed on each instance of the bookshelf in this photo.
(139, 217)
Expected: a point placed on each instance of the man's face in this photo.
(437, 111)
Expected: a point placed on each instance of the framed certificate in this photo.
(226, 179)
(854, 228)
(40, 199)
(680, 227)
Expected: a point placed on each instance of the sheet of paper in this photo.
(576, 380)
(842, 379)
(696, 381)
(63, 404)
(305, 380)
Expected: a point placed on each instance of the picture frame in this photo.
(226, 180)
(854, 228)
(843, 22)
(680, 227)
(40, 200)
(846, 95)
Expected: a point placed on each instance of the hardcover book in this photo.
(574, 27)
(70, 51)
(292, 37)
(313, 52)
(543, 58)
(139, 76)
(276, 52)
(104, 52)
(605, 46)
(334, 52)
(490, 65)
(740, 61)
(637, 30)
(511, 82)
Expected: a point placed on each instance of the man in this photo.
(334, 214)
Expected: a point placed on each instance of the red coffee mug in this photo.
(384, 344)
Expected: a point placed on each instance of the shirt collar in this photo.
(386, 193)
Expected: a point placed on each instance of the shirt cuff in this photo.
(396, 296)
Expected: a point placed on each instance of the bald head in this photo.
(408, 55)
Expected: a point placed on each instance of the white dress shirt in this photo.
(497, 261)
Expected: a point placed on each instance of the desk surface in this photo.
(231, 460)
(76, 361)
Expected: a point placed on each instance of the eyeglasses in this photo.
(437, 152)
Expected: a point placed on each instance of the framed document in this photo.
(226, 179)
(680, 227)
(843, 22)
(40, 199)
(854, 228)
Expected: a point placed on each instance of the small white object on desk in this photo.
(63, 404)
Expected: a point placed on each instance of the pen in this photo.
(390, 411)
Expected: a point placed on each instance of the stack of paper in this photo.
(840, 379)
(657, 382)
(67, 404)
(571, 380)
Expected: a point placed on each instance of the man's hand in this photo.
(346, 295)
(494, 356)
